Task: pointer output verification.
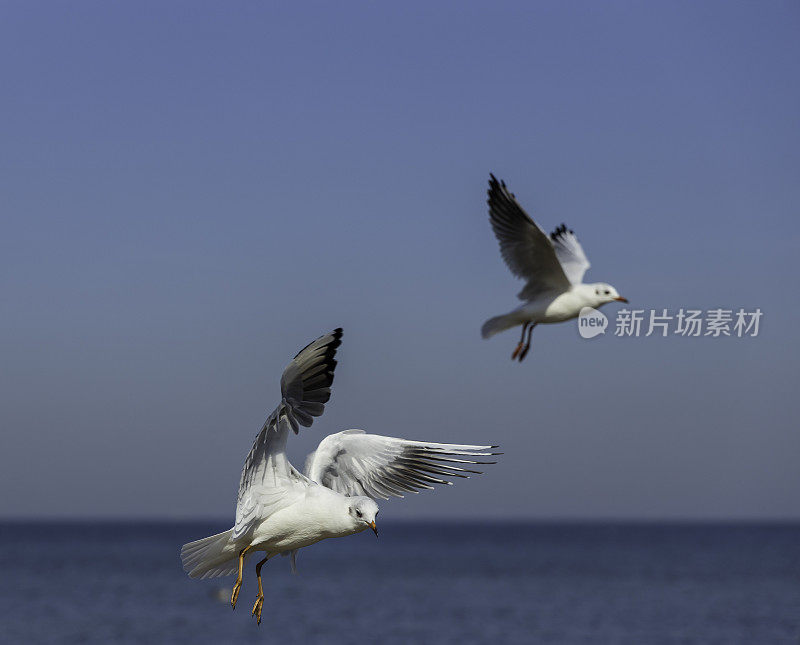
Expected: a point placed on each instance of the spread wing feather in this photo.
(268, 480)
(526, 248)
(570, 253)
(355, 463)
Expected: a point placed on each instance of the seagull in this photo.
(553, 266)
(280, 510)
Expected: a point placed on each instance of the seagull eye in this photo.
(358, 513)
(607, 292)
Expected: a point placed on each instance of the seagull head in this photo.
(604, 293)
(363, 511)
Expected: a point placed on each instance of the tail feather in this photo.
(210, 557)
(497, 324)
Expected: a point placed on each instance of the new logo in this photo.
(591, 323)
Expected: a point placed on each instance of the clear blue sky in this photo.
(192, 191)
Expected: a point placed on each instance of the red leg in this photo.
(527, 347)
(521, 342)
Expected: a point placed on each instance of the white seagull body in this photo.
(552, 265)
(280, 510)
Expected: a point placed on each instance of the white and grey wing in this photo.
(268, 480)
(355, 463)
(570, 253)
(526, 248)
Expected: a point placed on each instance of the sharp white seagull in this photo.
(553, 266)
(280, 510)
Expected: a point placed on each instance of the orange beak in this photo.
(373, 527)
(621, 299)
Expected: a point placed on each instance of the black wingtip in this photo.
(494, 182)
(496, 189)
(494, 185)
(332, 345)
(330, 353)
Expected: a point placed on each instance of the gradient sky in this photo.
(192, 191)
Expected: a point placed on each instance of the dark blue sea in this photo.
(417, 583)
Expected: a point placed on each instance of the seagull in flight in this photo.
(553, 266)
(280, 510)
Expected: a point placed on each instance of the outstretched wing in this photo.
(525, 247)
(355, 463)
(570, 254)
(268, 480)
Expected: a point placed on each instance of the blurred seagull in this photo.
(280, 510)
(553, 266)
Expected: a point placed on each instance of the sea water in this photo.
(417, 583)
